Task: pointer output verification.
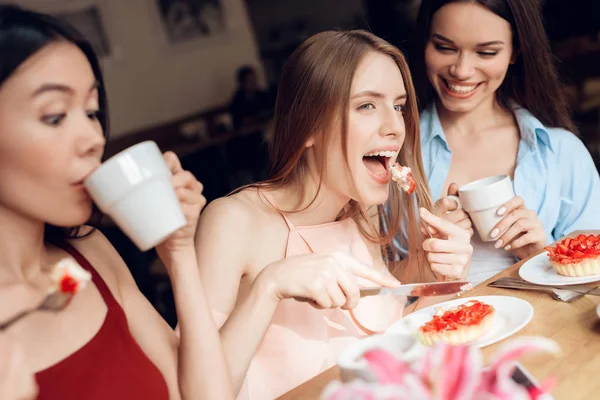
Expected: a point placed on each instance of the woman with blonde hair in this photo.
(346, 109)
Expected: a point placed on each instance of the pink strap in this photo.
(273, 204)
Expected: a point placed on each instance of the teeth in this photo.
(460, 88)
(389, 154)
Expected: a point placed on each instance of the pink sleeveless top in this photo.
(303, 341)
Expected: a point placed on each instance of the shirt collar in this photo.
(431, 126)
(531, 129)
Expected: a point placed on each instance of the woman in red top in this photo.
(109, 343)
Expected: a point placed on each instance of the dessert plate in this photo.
(512, 314)
(539, 270)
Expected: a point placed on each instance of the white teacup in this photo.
(481, 200)
(134, 189)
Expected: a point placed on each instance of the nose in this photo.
(392, 124)
(462, 68)
(91, 140)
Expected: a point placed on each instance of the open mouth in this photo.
(460, 90)
(378, 162)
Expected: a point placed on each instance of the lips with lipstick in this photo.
(378, 164)
(459, 89)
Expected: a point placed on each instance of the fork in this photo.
(54, 301)
(561, 294)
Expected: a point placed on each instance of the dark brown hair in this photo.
(532, 81)
(313, 93)
(22, 34)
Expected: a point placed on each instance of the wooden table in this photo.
(574, 326)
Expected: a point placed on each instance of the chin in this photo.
(458, 106)
(76, 216)
(374, 197)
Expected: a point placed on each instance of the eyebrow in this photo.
(58, 87)
(371, 93)
(483, 44)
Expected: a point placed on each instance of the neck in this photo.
(22, 248)
(325, 208)
(473, 122)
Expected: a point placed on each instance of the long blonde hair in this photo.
(314, 91)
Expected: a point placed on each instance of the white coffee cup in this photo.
(481, 200)
(134, 189)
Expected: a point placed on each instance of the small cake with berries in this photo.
(579, 256)
(68, 277)
(459, 325)
(403, 176)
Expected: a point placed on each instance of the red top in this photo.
(110, 366)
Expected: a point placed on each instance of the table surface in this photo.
(574, 326)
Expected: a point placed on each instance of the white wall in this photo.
(150, 82)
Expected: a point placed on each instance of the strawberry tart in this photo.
(459, 325)
(403, 176)
(579, 256)
(68, 277)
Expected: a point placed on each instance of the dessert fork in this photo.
(54, 301)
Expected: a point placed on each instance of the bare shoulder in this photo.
(237, 214)
(105, 259)
(234, 231)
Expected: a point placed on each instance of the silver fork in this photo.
(54, 301)
(561, 294)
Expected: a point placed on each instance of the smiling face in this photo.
(375, 132)
(467, 55)
(50, 137)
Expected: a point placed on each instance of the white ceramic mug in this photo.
(481, 200)
(134, 189)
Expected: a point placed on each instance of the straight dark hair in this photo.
(532, 81)
(22, 34)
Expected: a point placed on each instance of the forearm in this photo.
(244, 330)
(202, 369)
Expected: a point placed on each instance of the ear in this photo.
(310, 142)
(514, 56)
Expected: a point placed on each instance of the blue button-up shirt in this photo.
(555, 175)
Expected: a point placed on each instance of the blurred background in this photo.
(199, 77)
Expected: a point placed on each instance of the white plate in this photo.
(512, 314)
(598, 310)
(539, 270)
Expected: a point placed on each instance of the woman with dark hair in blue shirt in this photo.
(492, 105)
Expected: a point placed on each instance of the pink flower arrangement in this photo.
(446, 372)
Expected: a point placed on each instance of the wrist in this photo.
(174, 258)
(266, 286)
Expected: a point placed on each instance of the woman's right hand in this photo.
(328, 280)
(448, 209)
(16, 382)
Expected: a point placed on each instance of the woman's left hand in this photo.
(449, 251)
(523, 231)
(189, 192)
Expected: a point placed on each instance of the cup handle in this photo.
(456, 199)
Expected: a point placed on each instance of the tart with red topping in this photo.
(579, 256)
(403, 176)
(68, 277)
(459, 325)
